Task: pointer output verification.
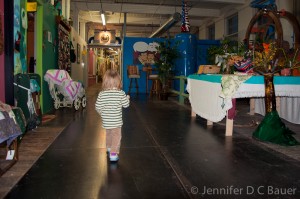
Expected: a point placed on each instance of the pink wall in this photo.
(2, 78)
(91, 62)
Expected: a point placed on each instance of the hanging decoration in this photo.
(185, 25)
(64, 62)
(264, 4)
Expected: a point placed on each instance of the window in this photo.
(296, 9)
(265, 29)
(211, 32)
(232, 26)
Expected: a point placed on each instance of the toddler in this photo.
(109, 105)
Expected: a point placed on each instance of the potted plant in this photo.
(166, 55)
(288, 62)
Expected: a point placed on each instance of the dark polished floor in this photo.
(164, 154)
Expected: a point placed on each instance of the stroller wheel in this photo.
(76, 103)
(65, 103)
(83, 101)
(56, 104)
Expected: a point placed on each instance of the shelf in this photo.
(59, 20)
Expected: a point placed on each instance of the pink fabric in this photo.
(72, 88)
(57, 76)
(231, 112)
(2, 78)
(64, 83)
(2, 74)
(91, 63)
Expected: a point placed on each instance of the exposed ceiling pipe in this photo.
(166, 26)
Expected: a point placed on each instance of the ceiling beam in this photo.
(145, 16)
(136, 30)
(146, 9)
(198, 1)
(134, 20)
(241, 2)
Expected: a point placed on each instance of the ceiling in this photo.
(143, 17)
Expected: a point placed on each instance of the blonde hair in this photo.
(111, 79)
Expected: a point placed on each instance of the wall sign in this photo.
(104, 37)
(31, 6)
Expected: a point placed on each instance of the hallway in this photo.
(164, 154)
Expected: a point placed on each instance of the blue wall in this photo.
(186, 63)
(193, 53)
(202, 46)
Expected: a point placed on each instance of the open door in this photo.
(31, 42)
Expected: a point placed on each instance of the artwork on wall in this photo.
(63, 49)
(144, 53)
(78, 53)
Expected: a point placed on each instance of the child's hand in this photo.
(128, 96)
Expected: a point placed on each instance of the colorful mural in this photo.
(144, 53)
(140, 52)
(17, 38)
(20, 28)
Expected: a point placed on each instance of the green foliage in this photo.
(227, 46)
(166, 55)
(212, 51)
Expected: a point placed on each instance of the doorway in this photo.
(31, 62)
(101, 59)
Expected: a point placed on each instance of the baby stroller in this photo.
(65, 91)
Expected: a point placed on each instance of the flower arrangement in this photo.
(270, 58)
(289, 59)
(241, 61)
(228, 54)
(264, 58)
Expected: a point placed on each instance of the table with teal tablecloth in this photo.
(211, 95)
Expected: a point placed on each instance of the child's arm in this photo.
(98, 104)
(125, 100)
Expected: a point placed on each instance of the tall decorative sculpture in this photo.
(271, 129)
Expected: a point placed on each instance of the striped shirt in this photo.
(109, 105)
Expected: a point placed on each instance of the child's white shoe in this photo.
(113, 157)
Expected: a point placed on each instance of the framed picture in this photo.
(78, 54)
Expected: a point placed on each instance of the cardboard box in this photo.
(208, 69)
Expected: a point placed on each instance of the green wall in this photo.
(46, 50)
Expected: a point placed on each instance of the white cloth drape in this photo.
(289, 108)
(205, 99)
(206, 102)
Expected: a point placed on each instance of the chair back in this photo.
(133, 71)
(149, 70)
